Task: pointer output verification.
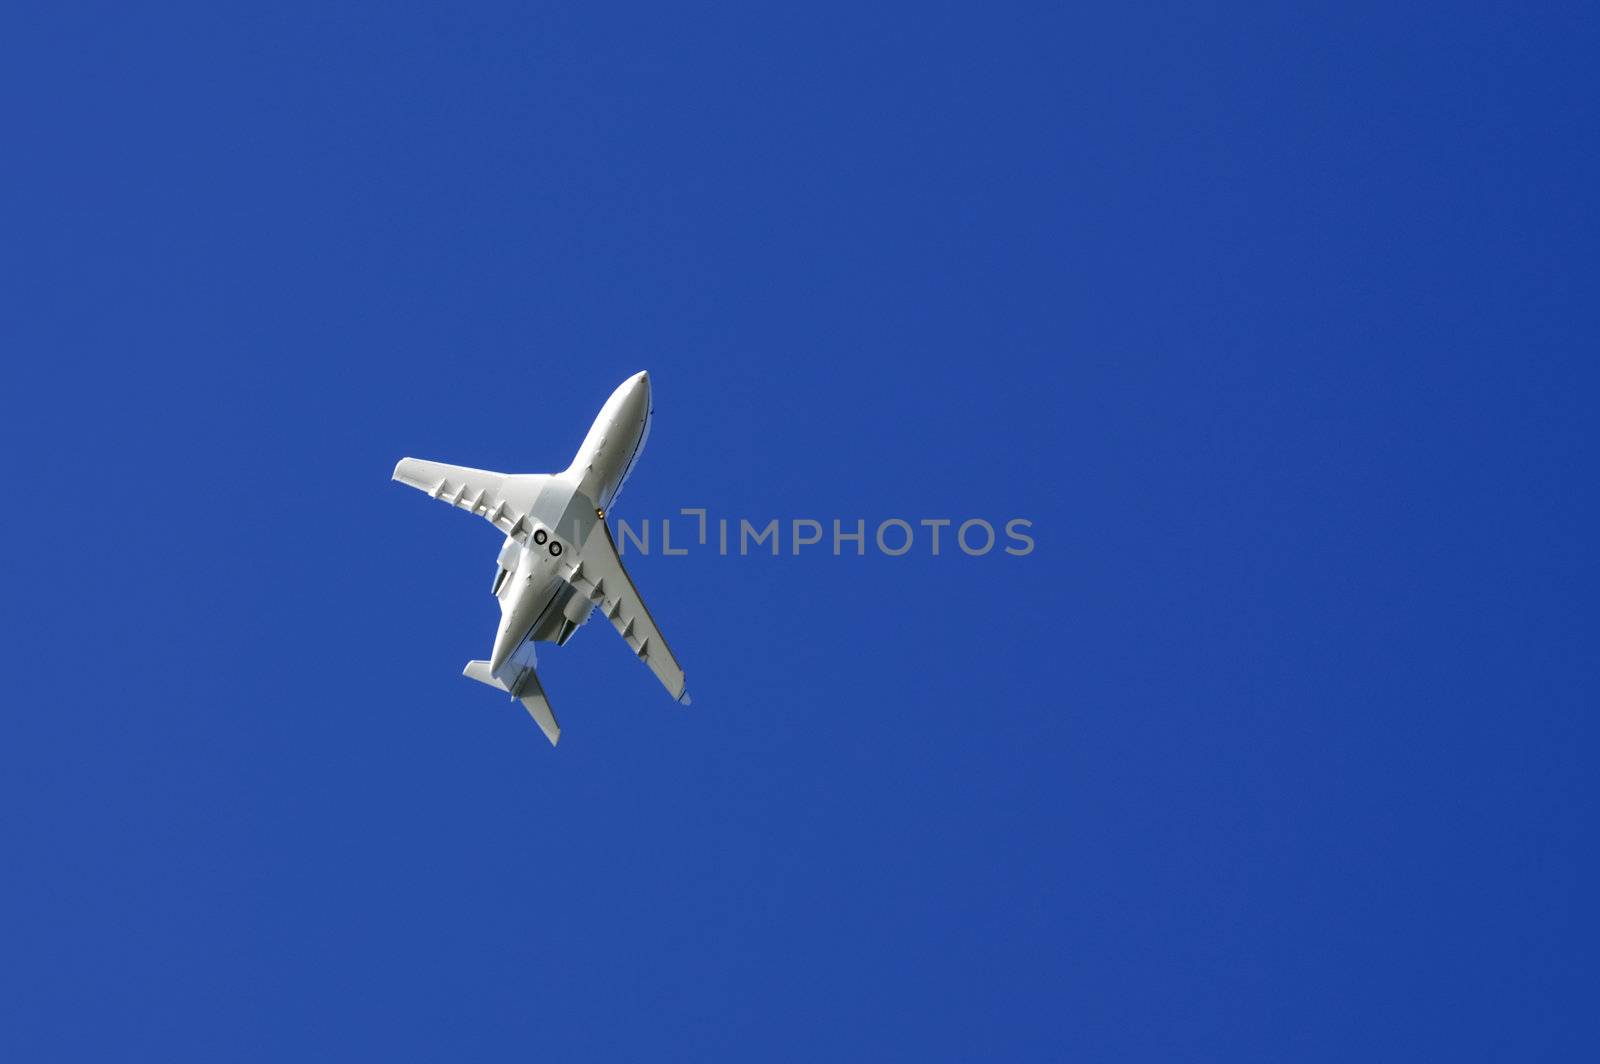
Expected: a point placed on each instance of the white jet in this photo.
(559, 561)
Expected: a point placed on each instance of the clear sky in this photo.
(1277, 322)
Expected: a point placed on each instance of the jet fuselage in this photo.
(536, 604)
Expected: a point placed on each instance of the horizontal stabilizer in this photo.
(530, 692)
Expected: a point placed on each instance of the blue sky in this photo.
(1277, 323)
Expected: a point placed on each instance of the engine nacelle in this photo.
(506, 564)
(578, 609)
(573, 614)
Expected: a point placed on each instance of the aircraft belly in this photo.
(548, 629)
(522, 610)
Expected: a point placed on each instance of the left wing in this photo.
(598, 574)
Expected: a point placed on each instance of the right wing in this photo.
(478, 491)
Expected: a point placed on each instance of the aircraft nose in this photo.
(637, 389)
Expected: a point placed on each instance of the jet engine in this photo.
(505, 565)
(575, 612)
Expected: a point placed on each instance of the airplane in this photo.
(558, 562)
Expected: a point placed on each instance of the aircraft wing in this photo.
(478, 491)
(599, 575)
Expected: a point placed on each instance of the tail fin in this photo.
(529, 691)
